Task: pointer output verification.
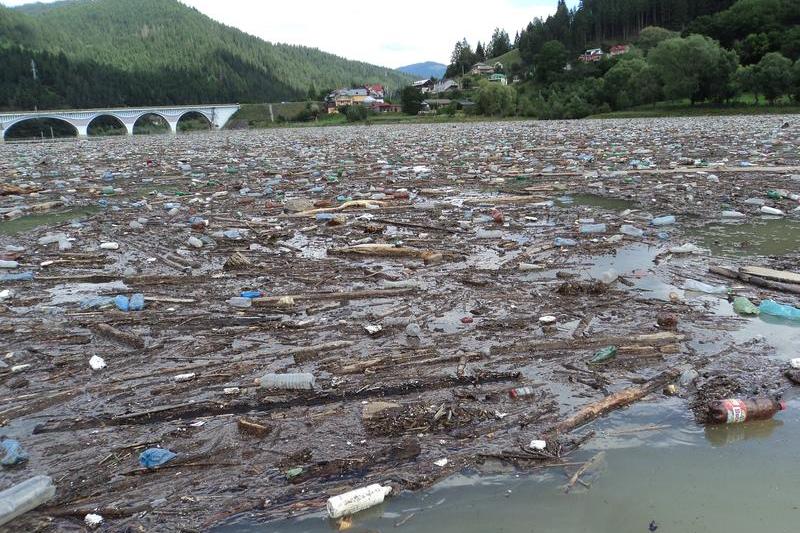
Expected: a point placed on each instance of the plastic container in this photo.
(771, 307)
(631, 231)
(559, 241)
(299, 381)
(737, 411)
(663, 221)
(357, 500)
(593, 228)
(699, 286)
(25, 497)
(9, 264)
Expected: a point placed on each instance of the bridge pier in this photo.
(173, 126)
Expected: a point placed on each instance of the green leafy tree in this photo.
(411, 100)
(796, 81)
(495, 99)
(651, 36)
(695, 67)
(631, 83)
(550, 61)
(773, 76)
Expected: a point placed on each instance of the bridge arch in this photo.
(106, 121)
(166, 122)
(193, 115)
(47, 127)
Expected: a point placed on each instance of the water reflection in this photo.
(724, 435)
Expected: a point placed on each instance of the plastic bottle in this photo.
(737, 411)
(771, 211)
(520, 392)
(136, 302)
(24, 497)
(743, 306)
(299, 381)
(771, 307)
(559, 241)
(9, 264)
(357, 500)
(122, 302)
(593, 228)
(155, 457)
(631, 231)
(20, 276)
(604, 355)
(239, 301)
(699, 286)
(663, 221)
(733, 214)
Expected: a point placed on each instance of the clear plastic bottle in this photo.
(300, 381)
(24, 497)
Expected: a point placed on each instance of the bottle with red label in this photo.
(737, 411)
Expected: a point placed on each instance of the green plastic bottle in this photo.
(604, 355)
(743, 306)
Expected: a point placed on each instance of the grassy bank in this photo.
(743, 106)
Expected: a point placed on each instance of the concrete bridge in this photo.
(81, 119)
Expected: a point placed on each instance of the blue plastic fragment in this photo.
(251, 294)
(155, 457)
(136, 302)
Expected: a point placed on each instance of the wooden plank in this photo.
(772, 274)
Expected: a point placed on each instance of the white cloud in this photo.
(389, 34)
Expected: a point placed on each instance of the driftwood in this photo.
(616, 401)
(771, 274)
(387, 250)
(134, 341)
(364, 204)
(320, 296)
(596, 460)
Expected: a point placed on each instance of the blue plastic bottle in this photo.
(771, 307)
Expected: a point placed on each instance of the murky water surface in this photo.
(764, 236)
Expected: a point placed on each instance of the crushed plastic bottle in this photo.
(604, 355)
(631, 231)
(773, 308)
(24, 497)
(14, 454)
(155, 457)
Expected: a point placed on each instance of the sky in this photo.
(388, 34)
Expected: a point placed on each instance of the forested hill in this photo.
(135, 52)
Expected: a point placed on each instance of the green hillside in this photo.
(157, 52)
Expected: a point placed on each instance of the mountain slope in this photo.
(429, 69)
(175, 54)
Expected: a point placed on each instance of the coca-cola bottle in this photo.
(737, 411)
